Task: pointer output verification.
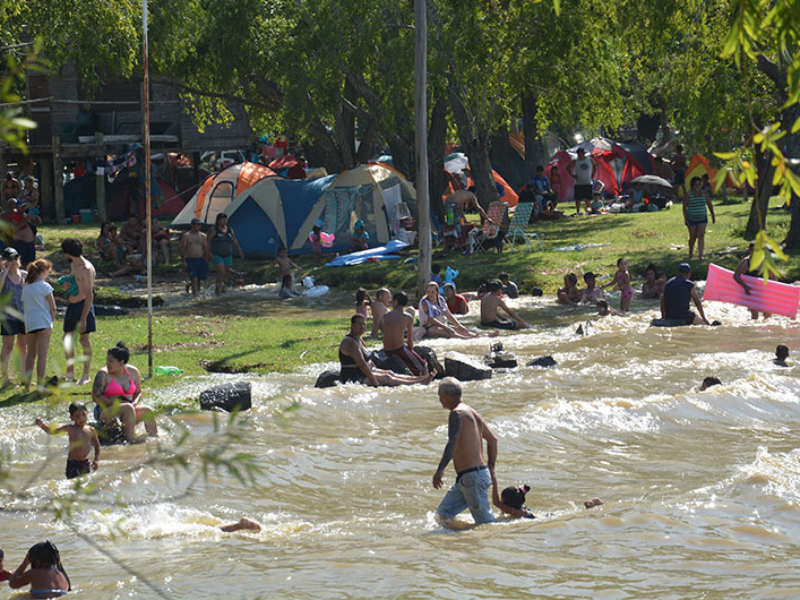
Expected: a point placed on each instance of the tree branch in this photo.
(273, 104)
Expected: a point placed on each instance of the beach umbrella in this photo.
(653, 184)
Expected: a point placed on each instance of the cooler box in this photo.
(86, 215)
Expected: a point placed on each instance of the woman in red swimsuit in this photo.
(118, 383)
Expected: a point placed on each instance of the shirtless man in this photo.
(592, 293)
(466, 431)
(398, 330)
(131, 235)
(379, 308)
(354, 367)
(195, 254)
(80, 311)
(490, 302)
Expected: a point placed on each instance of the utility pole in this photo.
(421, 113)
(148, 194)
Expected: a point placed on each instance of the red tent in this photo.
(617, 164)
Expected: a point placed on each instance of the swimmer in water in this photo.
(241, 524)
(709, 382)
(603, 309)
(781, 354)
(42, 570)
(512, 500)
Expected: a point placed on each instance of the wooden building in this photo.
(75, 123)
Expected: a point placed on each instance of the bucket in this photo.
(86, 215)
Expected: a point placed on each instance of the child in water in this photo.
(603, 309)
(5, 574)
(781, 354)
(512, 500)
(81, 437)
(622, 281)
(46, 576)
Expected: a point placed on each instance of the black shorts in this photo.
(27, 252)
(690, 316)
(497, 324)
(583, 192)
(73, 317)
(76, 468)
(11, 326)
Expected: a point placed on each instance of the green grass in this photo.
(269, 344)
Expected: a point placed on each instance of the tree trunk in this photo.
(476, 146)
(792, 141)
(437, 137)
(325, 152)
(666, 134)
(758, 209)
(534, 147)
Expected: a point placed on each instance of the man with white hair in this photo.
(465, 434)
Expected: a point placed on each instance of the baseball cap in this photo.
(684, 268)
(9, 253)
(196, 221)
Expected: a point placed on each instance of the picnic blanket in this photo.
(772, 297)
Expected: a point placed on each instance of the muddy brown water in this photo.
(701, 488)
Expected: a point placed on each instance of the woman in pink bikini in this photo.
(622, 281)
(119, 384)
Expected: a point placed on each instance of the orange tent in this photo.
(699, 166)
(219, 190)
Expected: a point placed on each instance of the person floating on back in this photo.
(81, 439)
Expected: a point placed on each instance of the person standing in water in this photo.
(81, 439)
(747, 268)
(80, 311)
(466, 431)
(675, 301)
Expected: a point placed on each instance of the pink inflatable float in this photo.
(772, 297)
(327, 239)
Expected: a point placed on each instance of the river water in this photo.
(701, 489)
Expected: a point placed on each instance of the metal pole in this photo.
(148, 197)
(421, 114)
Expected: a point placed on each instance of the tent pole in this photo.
(421, 114)
(148, 195)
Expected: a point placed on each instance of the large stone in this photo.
(326, 379)
(227, 397)
(464, 368)
(430, 357)
(390, 363)
(543, 361)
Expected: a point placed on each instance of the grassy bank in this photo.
(263, 343)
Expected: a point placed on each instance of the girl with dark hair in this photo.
(42, 570)
(117, 391)
(363, 303)
(695, 215)
(12, 280)
(40, 310)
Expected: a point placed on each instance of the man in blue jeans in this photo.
(465, 434)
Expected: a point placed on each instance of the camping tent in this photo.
(617, 165)
(455, 163)
(219, 190)
(277, 213)
(699, 166)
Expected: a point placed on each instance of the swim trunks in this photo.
(197, 268)
(498, 324)
(73, 317)
(414, 362)
(76, 468)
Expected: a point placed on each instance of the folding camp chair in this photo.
(522, 215)
(492, 235)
